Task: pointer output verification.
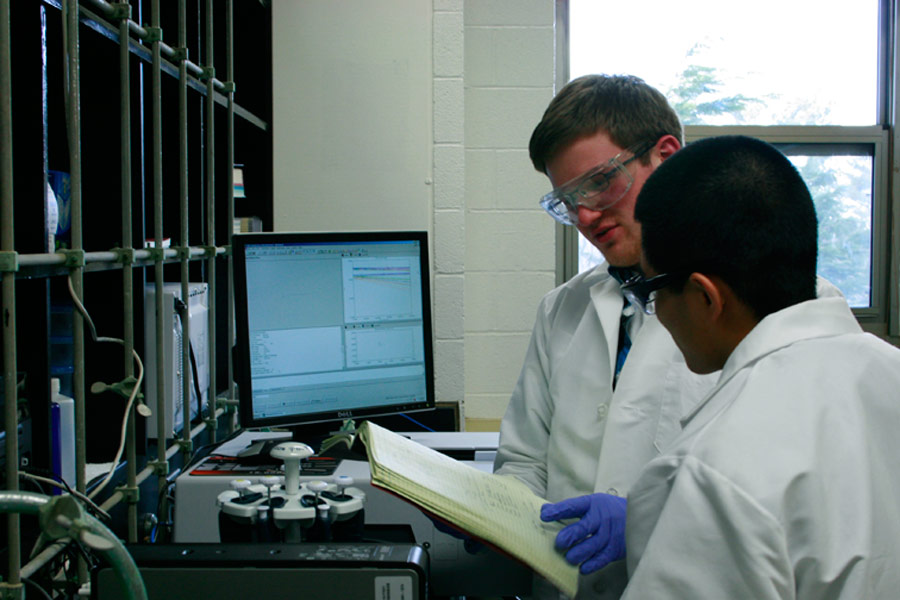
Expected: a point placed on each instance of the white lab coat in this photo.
(566, 433)
(786, 478)
(563, 412)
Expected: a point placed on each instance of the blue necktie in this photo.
(622, 274)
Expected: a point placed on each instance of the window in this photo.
(809, 76)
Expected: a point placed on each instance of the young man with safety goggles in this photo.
(582, 418)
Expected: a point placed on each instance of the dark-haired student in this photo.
(784, 481)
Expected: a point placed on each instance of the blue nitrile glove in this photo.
(598, 538)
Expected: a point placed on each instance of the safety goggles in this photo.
(641, 292)
(598, 189)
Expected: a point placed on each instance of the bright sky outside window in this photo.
(769, 63)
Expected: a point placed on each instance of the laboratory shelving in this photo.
(146, 106)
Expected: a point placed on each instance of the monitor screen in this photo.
(331, 326)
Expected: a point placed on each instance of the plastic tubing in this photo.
(117, 556)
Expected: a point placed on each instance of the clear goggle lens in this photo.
(596, 190)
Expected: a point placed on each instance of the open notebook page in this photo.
(498, 509)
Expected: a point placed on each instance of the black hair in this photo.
(735, 207)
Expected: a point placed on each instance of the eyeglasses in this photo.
(641, 292)
(598, 189)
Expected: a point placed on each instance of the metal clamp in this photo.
(209, 251)
(156, 254)
(179, 54)
(121, 11)
(227, 250)
(9, 261)
(74, 257)
(208, 72)
(187, 446)
(12, 591)
(160, 467)
(124, 255)
(123, 388)
(228, 87)
(154, 34)
(131, 495)
(182, 252)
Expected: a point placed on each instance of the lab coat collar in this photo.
(819, 318)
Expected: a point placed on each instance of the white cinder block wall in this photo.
(510, 254)
(449, 235)
(400, 115)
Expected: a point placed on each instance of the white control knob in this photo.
(240, 485)
(343, 482)
(291, 453)
(270, 481)
(317, 487)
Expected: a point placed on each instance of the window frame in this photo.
(882, 317)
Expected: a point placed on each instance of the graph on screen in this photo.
(382, 346)
(332, 326)
(380, 289)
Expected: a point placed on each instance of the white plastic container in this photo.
(63, 418)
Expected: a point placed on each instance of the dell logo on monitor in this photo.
(345, 414)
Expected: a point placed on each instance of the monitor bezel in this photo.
(240, 241)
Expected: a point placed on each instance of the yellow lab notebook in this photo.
(498, 509)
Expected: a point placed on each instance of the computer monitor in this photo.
(331, 326)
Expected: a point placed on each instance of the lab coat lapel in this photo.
(609, 309)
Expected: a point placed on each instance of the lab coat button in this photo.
(602, 410)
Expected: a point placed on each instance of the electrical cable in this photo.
(124, 431)
(65, 486)
(423, 426)
(164, 493)
(183, 312)
(196, 379)
(38, 588)
(131, 398)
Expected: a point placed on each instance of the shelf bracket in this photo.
(121, 11)
(9, 261)
(154, 34)
(132, 495)
(160, 467)
(74, 257)
(182, 252)
(124, 255)
(156, 254)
